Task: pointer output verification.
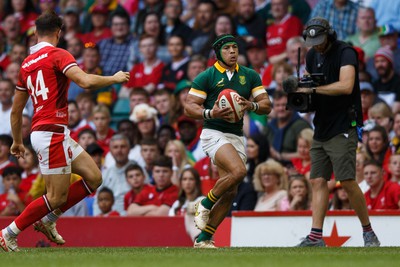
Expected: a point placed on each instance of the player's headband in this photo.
(222, 40)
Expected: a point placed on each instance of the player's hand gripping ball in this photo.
(230, 98)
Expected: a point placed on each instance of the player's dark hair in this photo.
(12, 170)
(163, 161)
(48, 23)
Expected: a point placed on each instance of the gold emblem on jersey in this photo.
(242, 80)
(220, 83)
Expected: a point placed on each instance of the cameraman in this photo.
(337, 118)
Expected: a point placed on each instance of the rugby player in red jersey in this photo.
(45, 76)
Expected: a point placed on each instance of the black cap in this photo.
(316, 31)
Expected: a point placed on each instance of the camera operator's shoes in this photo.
(371, 240)
(201, 215)
(8, 243)
(50, 231)
(307, 242)
(204, 244)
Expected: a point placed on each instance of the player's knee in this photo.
(318, 183)
(238, 174)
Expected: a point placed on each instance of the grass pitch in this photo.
(189, 257)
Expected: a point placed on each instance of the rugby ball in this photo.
(229, 98)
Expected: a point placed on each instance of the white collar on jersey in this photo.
(38, 46)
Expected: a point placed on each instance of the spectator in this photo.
(114, 176)
(135, 177)
(382, 194)
(196, 65)
(18, 53)
(100, 30)
(75, 47)
(256, 55)
(245, 199)
(302, 163)
(271, 181)
(180, 93)
(388, 83)
(280, 71)
(208, 174)
(340, 199)
(86, 103)
(111, 5)
(164, 134)
(24, 11)
(205, 14)
(11, 28)
(30, 166)
(150, 6)
(47, 5)
(395, 142)
(368, 98)
(180, 161)
(174, 71)
(282, 131)
(146, 119)
(298, 8)
(11, 72)
(71, 24)
(75, 121)
(189, 193)
(190, 136)
(388, 37)
(387, 12)
(86, 137)
(130, 130)
(257, 151)
(394, 168)
(5, 145)
(149, 151)
(292, 51)
(382, 115)
(249, 24)
(341, 14)
(138, 96)
(105, 201)
(146, 74)
(104, 133)
(361, 158)
(12, 202)
(378, 147)
(298, 195)
(26, 128)
(96, 152)
(164, 102)
(6, 101)
(158, 199)
(283, 27)
(114, 51)
(366, 37)
(189, 12)
(174, 25)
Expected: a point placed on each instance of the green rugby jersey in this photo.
(211, 82)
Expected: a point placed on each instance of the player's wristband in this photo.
(207, 114)
(254, 106)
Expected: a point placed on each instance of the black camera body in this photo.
(303, 102)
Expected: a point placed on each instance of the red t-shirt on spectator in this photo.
(141, 77)
(298, 165)
(203, 168)
(91, 37)
(151, 196)
(27, 180)
(4, 202)
(112, 213)
(387, 198)
(130, 197)
(105, 143)
(279, 34)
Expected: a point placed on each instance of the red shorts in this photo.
(55, 148)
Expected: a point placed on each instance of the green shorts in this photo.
(337, 154)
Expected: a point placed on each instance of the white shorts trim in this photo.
(212, 140)
(58, 159)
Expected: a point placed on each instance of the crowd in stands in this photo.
(149, 152)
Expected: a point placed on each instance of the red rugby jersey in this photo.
(42, 74)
